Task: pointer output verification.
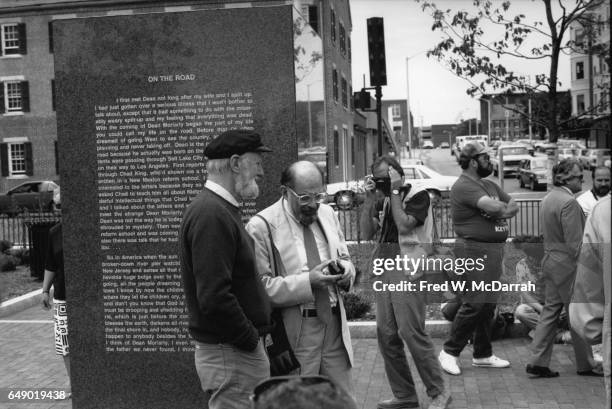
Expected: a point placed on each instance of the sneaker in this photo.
(449, 363)
(398, 404)
(490, 362)
(440, 401)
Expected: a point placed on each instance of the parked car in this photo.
(444, 145)
(565, 153)
(533, 172)
(513, 154)
(42, 195)
(588, 157)
(411, 161)
(428, 144)
(427, 178)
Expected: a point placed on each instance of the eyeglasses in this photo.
(271, 383)
(579, 177)
(485, 156)
(308, 198)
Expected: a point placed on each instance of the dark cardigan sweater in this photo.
(225, 298)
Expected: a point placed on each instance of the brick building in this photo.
(28, 135)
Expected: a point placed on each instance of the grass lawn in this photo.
(17, 282)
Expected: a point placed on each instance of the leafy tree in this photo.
(469, 55)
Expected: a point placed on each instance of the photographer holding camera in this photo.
(315, 265)
(403, 216)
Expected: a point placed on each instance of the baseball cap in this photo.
(235, 142)
(473, 149)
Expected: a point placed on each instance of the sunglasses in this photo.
(485, 156)
(308, 198)
(275, 381)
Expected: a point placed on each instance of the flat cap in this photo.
(473, 149)
(235, 142)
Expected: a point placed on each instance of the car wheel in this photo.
(521, 183)
(533, 185)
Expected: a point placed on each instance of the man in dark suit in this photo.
(563, 224)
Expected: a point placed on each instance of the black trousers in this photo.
(477, 307)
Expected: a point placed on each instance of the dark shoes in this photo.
(591, 372)
(540, 371)
(397, 404)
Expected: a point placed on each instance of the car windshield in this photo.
(515, 151)
(539, 163)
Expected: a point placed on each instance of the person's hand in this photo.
(348, 274)
(320, 277)
(396, 179)
(45, 301)
(369, 185)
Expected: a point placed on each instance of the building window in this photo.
(335, 84)
(13, 39)
(311, 15)
(579, 70)
(14, 97)
(580, 107)
(579, 38)
(333, 26)
(336, 148)
(51, 36)
(342, 39)
(348, 43)
(345, 97)
(395, 111)
(53, 95)
(353, 150)
(350, 96)
(16, 158)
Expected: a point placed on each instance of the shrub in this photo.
(7, 263)
(356, 305)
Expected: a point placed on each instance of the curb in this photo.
(18, 304)
(367, 329)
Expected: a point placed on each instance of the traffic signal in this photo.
(361, 99)
(376, 51)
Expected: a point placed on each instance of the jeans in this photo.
(229, 374)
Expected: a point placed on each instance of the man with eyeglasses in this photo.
(480, 210)
(316, 261)
(562, 222)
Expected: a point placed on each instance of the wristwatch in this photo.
(395, 191)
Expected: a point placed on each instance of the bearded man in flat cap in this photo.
(228, 308)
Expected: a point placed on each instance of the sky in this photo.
(437, 96)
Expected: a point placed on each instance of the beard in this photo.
(602, 190)
(246, 187)
(483, 171)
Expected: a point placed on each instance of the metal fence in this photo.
(526, 222)
(18, 229)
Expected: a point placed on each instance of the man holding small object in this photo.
(403, 216)
(316, 261)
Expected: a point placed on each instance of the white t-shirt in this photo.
(587, 200)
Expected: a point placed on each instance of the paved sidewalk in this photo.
(28, 360)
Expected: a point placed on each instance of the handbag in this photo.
(281, 355)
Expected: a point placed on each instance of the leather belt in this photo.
(311, 312)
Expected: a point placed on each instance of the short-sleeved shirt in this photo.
(417, 206)
(55, 262)
(469, 221)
